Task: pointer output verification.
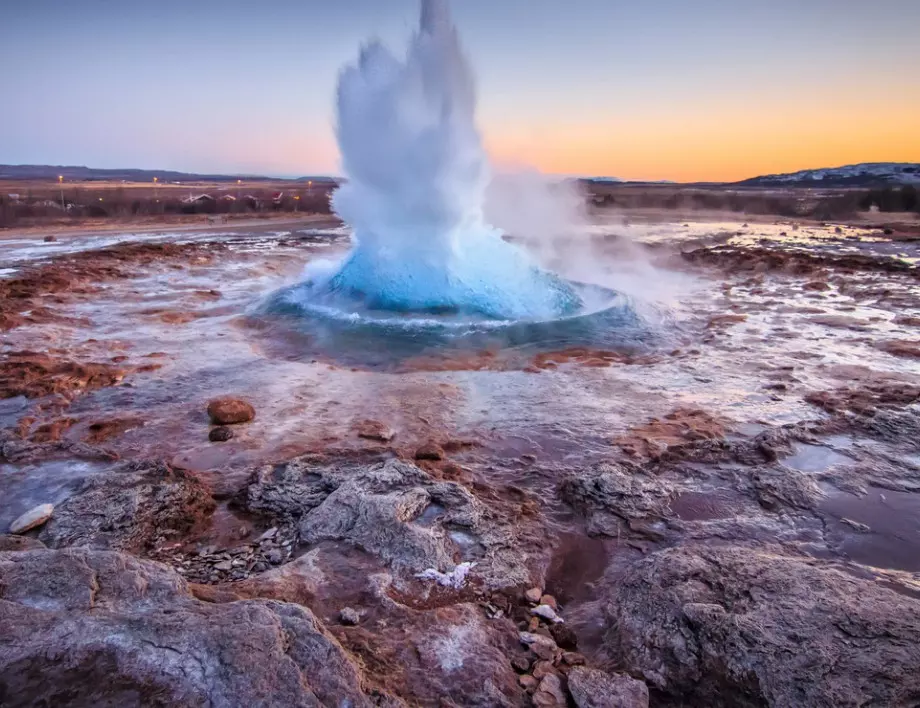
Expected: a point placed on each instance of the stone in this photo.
(549, 600)
(275, 556)
(731, 626)
(533, 595)
(50, 238)
(591, 688)
(542, 669)
(220, 434)
(546, 612)
(397, 512)
(520, 663)
(136, 508)
(544, 647)
(564, 636)
(610, 495)
(573, 658)
(33, 518)
(349, 616)
(230, 411)
(19, 543)
(430, 451)
(268, 535)
(549, 693)
(528, 683)
(99, 628)
(375, 430)
(224, 566)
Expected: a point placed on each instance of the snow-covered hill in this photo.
(861, 175)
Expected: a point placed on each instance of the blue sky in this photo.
(709, 89)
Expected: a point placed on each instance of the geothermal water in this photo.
(416, 180)
(426, 268)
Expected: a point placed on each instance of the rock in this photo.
(19, 543)
(224, 565)
(528, 683)
(275, 556)
(220, 434)
(375, 430)
(816, 285)
(430, 451)
(549, 693)
(542, 669)
(230, 411)
(349, 616)
(38, 374)
(730, 626)
(573, 658)
(33, 518)
(544, 647)
(591, 688)
(135, 508)
(547, 613)
(520, 663)
(549, 600)
(382, 508)
(610, 495)
(533, 595)
(50, 238)
(907, 349)
(268, 535)
(564, 636)
(94, 628)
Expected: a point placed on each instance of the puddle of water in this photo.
(813, 459)
(578, 563)
(893, 518)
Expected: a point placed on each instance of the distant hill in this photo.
(866, 174)
(75, 173)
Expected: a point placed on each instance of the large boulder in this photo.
(397, 512)
(95, 628)
(740, 627)
(135, 508)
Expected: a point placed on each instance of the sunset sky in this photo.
(661, 89)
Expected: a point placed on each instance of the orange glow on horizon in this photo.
(731, 145)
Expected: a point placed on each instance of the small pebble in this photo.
(547, 613)
(221, 434)
(533, 595)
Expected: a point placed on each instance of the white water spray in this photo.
(417, 175)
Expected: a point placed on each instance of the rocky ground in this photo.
(209, 509)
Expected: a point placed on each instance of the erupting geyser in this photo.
(417, 175)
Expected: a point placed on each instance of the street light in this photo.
(297, 203)
(61, 183)
(156, 193)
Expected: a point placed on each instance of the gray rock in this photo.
(94, 628)
(33, 518)
(741, 627)
(591, 688)
(397, 512)
(610, 495)
(132, 509)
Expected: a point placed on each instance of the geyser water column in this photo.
(416, 177)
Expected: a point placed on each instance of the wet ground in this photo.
(776, 399)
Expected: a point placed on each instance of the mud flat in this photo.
(726, 517)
